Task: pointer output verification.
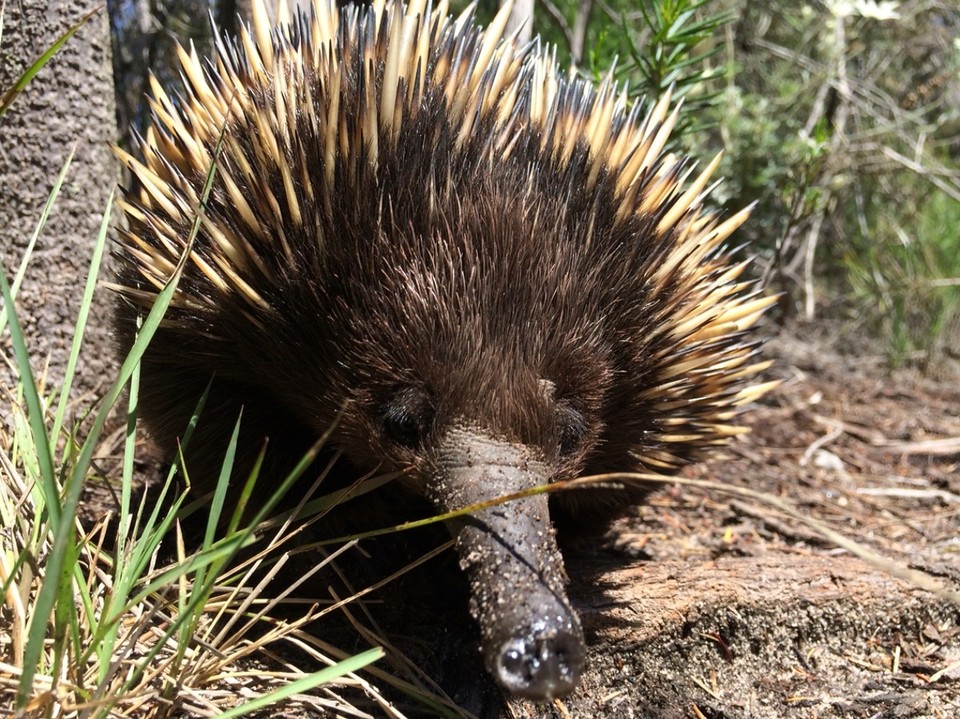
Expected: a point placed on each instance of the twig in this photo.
(935, 447)
(904, 493)
(834, 433)
(560, 20)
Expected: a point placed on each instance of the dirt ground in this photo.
(734, 610)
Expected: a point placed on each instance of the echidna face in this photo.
(406, 424)
(491, 268)
(444, 336)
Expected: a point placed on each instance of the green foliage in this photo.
(670, 48)
(653, 47)
(838, 121)
(769, 160)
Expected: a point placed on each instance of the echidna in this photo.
(470, 265)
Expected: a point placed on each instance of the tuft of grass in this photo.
(95, 624)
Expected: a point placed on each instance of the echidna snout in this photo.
(543, 664)
(532, 642)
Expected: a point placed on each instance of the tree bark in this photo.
(68, 106)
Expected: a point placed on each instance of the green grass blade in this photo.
(124, 528)
(216, 509)
(246, 492)
(223, 482)
(7, 100)
(56, 583)
(324, 676)
(44, 454)
(82, 316)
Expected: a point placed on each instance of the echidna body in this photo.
(470, 266)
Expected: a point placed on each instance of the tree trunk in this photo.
(68, 105)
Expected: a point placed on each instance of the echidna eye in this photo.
(571, 429)
(407, 417)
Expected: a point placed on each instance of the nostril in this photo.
(540, 666)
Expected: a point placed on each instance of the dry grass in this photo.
(95, 620)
